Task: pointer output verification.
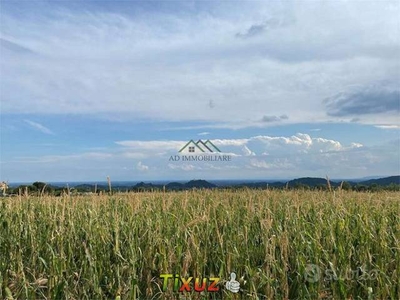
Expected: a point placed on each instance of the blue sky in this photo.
(91, 89)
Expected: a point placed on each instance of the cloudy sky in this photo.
(109, 88)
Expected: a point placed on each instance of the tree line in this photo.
(42, 188)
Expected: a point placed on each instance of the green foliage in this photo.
(39, 185)
(346, 186)
(102, 247)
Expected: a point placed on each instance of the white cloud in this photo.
(247, 151)
(203, 133)
(39, 127)
(257, 145)
(184, 167)
(266, 148)
(296, 55)
(141, 167)
(388, 126)
(276, 164)
(264, 157)
(356, 145)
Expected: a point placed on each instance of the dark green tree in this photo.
(346, 186)
(39, 185)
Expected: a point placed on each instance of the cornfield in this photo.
(281, 244)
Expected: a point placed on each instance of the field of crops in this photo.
(281, 245)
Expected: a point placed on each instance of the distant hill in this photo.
(199, 184)
(391, 183)
(175, 186)
(310, 181)
(298, 182)
(382, 181)
(313, 182)
(145, 185)
(261, 185)
(89, 187)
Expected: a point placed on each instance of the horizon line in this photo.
(187, 180)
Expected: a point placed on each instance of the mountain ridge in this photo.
(302, 182)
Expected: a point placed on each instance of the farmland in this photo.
(282, 244)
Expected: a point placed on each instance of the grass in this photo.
(281, 244)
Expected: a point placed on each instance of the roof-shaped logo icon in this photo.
(200, 146)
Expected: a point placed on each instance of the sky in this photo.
(288, 89)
